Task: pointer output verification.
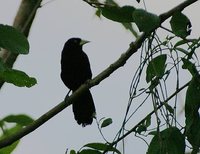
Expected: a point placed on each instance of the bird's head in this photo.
(75, 43)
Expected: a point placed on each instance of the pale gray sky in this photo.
(54, 24)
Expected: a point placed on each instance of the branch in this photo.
(95, 81)
(22, 22)
(150, 114)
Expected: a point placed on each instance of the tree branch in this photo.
(95, 81)
(22, 22)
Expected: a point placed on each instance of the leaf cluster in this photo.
(14, 41)
(10, 125)
(159, 61)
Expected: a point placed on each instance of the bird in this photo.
(75, 71)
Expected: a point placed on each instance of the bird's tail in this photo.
(84, 109)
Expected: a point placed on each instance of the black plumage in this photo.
(75, 70)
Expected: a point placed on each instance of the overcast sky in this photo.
(54, 23)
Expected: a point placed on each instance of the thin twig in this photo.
(150, 114)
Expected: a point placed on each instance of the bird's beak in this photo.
(84, 42)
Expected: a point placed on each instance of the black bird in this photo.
(75, 70)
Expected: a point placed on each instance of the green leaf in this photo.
(169, 141)
(111, 2)
(154, 83)
(72, 152)
(156, 68)
(145, 21)
(114, 17)
(17, 78)
(13, 40)
(141, 128)
(101, 147)
(192, 118)
(193, 94)
(9, 149)
(169, 108)
(129, 27)
(189, 66)
(195, 43)
(2, 66)
(182, 42)
(98, 13)
(153, 133)
(20, 119)
(89, 151)
(106, 122)
(182, 50)
(148, 121)
(118, 14)
(180, 25)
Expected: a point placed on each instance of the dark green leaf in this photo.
(17, 78)
(189, 66)
(145, 21)
(9, 149)
(180, 24)
(156, 68)
(169, 108)
(126, 25)
(141, 128)
(154, 83)
(89, 151)
(181, 42)
(101, 147)
(129, 27)
(111, 2)
(169, 141)
(153, 133)
(118, 14)
(148, 121)
(12, 40)
(182, 50)
(2, 66)
(72, 152)
(193, 94)
(106, 122)
(192, 104)
(195, 43)
(98, 13)
(20, 119)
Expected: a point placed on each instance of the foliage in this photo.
(14, 41)
(180, 24)
(170, 141)
(162, 60)
(17, 122)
